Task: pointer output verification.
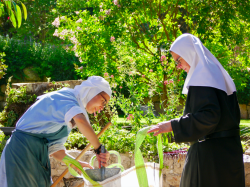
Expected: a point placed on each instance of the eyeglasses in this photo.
(105, 101)
(177, 62)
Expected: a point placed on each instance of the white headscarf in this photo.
(205, 69)
(90, 88)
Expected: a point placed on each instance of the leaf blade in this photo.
(19, 16)
(24, 11)
(12, 18)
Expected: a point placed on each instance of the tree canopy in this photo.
(131, 38)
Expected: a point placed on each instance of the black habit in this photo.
(216, 162)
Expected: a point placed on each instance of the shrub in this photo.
(123, 141)
(3, 140)
(3, 67)
(48, 60)
(19, 100)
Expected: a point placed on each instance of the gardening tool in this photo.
(104, 173)
(80, 155)
(102, 167)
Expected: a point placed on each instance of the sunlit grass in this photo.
(245, 129)
(122, 120)
(245, 122)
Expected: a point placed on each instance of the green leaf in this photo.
(160, 151)
(18, 13)
(1, 9)
(14, 4)
(24, 11)
(68, 160)
(8, 5)
(91, 162)
(12, 18)
(139, 162)
(19, 16)
(11, 13)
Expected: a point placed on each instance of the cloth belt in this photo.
(221, 134)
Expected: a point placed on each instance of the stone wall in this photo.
(173, 166)
(34, 86)
(30, 75)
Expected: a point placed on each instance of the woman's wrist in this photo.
(170, 125)
(98, 150)
(97, 145)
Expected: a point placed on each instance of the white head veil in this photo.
(90, 88)
(205, 69)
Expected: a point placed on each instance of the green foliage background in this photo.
(142, 31)
(127, 42)
(48, 60)
(124, 37)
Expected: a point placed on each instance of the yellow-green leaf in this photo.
(160, 152)
(24, 11)
(11, 13)
(68, 160)
(19, 16)
(18, 13)
(12, 18)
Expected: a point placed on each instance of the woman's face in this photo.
(97, 103)
(182, 63)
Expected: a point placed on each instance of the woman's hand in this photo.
(162, 127)
(85, 164)
(103, 158)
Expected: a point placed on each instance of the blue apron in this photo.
(27, 158)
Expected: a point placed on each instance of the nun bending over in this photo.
(210, 121)
(43, 129)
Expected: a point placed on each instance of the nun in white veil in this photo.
(43, 129)
(211, 118)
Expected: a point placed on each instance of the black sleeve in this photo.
(203, 118)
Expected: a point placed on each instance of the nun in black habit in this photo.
(210, 121)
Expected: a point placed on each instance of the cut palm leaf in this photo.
(68, 160)
(139, 162)
(160, 151)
